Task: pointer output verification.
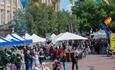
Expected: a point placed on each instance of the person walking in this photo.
(41, 56)
(63, 59)
(74, 58)
(35, 59)
(28, 60)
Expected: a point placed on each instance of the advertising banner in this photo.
(112, 41)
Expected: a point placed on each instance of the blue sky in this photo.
(64, 4)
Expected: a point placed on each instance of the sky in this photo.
(64, 4)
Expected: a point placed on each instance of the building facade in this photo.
(49, 2)
(8, 9)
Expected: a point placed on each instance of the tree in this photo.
(19, 23)
(109, 7)
(89, 14)
(41, 19)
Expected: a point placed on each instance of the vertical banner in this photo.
(112, 41)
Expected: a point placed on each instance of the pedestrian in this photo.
(35, 59)
(18, 62)
(63, 59)
(28, 60)
(41, 56)
(74, 58)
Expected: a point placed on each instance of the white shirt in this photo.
(36, 59)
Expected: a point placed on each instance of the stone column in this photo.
(5, 10)
(11, 8)
(0, 17)
(17, 2)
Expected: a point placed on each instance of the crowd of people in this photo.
(36, 57)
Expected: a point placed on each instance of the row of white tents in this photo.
(55, 38)
(15, 39)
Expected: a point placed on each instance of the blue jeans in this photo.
(28, 66)
(64, 65)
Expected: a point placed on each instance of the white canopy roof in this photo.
(70, 36)
(54, 39)
(15, 37)
(1, 40)
(27, 36)
(99, 34)
(53, 35)
(36, 38)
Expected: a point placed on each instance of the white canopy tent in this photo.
(69, 36)
(27, 36)
(99, 34)
(53, 36)
(17, 40)
(54, 39)
(36, 38)
(9, 37)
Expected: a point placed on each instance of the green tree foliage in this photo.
(19, 23)
(89, 14)
(39, 18)
(43, 19)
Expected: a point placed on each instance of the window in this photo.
(48, 2)
(14, 2)
(14, 14)
(8, 1)
(2, 16)
(8, 16)
(43, 1)
(2, 0)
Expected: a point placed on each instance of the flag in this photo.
(107, 21)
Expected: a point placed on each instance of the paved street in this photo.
(95, 62)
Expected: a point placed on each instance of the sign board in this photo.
(112, 41)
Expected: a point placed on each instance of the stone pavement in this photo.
(95, 62)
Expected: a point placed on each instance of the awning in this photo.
(16, 39)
